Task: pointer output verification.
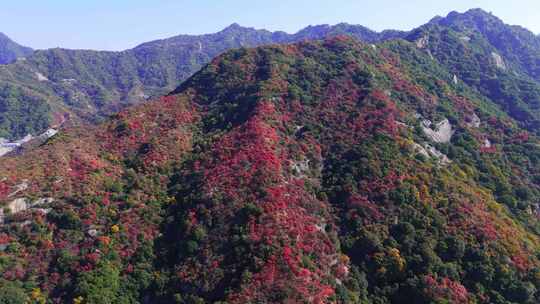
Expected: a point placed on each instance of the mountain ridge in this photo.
(11, 51)
(90, 85)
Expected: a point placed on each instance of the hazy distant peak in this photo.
(10, 50)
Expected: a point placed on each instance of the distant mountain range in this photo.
(89, 85)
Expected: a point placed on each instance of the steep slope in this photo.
(516, 44)
(304, 173)
(500, 60)
(10, 50)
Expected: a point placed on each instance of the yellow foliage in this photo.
(395, 254)
(78, 300)
(37, 296)
(344, 259)
(115, 228)
(424, 192)
(461, 174)
(36, 293)
(416, 193)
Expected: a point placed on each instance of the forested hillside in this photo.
(318, 172)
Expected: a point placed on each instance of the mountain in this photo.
(326, 171)
(515, 43)
(90, 85)
(499, 60)
(11, 51)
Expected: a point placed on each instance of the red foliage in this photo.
(521, 263)
(521, 137)
(473, 217)
(4, 190)
(362, 204)
(4, 239)
(488, 150)
(446, 289)
(81, 167)
(158, 132)
(248, 165)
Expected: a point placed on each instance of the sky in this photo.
(123, 24)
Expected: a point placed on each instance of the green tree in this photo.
(12, 293)
(99, 286)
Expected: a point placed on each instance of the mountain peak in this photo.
(233, 27)
(473, 17)
(478, 12)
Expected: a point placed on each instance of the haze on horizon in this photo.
(123, 24)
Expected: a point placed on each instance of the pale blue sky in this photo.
(121, 24)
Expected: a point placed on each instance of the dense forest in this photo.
(331, 171)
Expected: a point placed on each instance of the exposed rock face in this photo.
(422, 42)
(43, 201)
(498, 60)
(18, 205)
(429, 151)
(19, 188)
(443, 159)
(22, 204)
(92, 232)
(7, 147)
(41, 77)
(300, 168)
(13, 207)
(49, 133)
(421, 150)
(442, 133)
(473, 121)
(5, 150)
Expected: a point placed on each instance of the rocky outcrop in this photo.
(22, 204)
(7, 147)
(429, 151)
(422, 43)
(498, 60)
(473, 121)
(41, 77)
(441, 133)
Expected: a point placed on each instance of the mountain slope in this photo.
(10, 51)
(516, 44)
(499, 60)
(303, 173)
